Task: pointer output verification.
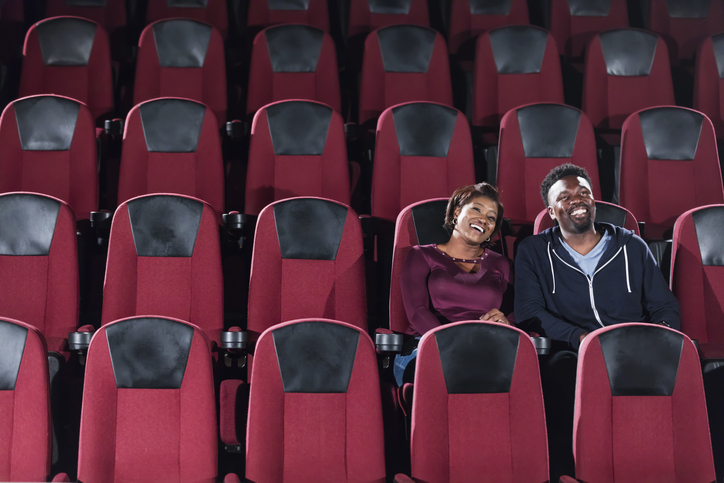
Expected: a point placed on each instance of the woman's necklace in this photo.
(465, 260)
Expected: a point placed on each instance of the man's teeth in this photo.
(476, 227)
(579, 211)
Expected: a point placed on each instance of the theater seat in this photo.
(605, 213)
(368, 15)
(574, 22)
(708, 81)
(109, 14)
(469, 18)
(264, 13)
(212, 12)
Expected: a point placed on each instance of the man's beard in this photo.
(580, 227)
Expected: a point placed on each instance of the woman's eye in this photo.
(477, 209)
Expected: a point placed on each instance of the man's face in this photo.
(571, 203)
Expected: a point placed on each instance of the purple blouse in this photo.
(436, 291)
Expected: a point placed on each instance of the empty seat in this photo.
(514, 66)
(297, 148)
(48, 145)
(423, 150)
(213, 12)
(626, 70)
(164, 259)
(314, 408)
(264, 13)
(182, 58)
(293, 62)
(669, 164)
(574, 22)
(605, 213)
(368, 15)
(469, 18)
(708, 81)
(109, 14)
(403, 63)
(69, 56)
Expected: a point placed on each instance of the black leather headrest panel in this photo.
(671, 132)
(27, 224)
(612, 214)
(294, 48)
(406, 48)
(149, 353)
(548, 130)
(181, 42)
(641, 360)
(518, 49)
(628, 52)
(86, 3)
(589, 8)
(172, 125)
(477, 358)
(390, 7)
(688, 8)
(718, 41)
(165, 226)
(66, 41)
(187, 3)
(309, 229)
(12, 347)
(428, 219)
(298, 128)
(490, 7)
(46, 123)
(316, 357)
(424, 129)
(709, 225)
(288, 4)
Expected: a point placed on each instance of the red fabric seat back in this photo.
(478, 406)
(605, 212)
(293, 62)
(574, 22)
(368, 15)
(667, 150)
(297, 148)
(314, 408)
(164, 259)
(640, 411)
(263, 13)
(626, 70)
(48, 145)
(172, 146)
(469, 18)
(514, 66)
(684, 24)
(533, 140)
(148, 404)
(69, 56)
(423, 150)
(403, 63)
(708, 82)
(182, 58)
(110, 14)
(213, 12)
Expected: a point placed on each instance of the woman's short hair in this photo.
(466, 194)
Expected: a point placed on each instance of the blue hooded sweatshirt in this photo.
(554, 295)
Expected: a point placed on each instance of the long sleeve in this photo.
(415, 295)
(657, 299)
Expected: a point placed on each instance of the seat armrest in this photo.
(231, 478)
(388, 341)
(61, 477)
(402, 478)
(542, 345)
(567, 479)
(79, 340)
(233, 338)
(113, 127)
(100, 222)
(236, 129)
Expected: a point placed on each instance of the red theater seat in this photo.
(263, 13)
(574, 22)
(109, 14)
(368, 15)
(708, 82)
(605, 213)
(213, 12)
(469, 18)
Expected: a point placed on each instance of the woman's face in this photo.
(476, 219)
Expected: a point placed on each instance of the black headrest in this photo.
(548, 130)
(172, 125)
(181, 42)
(718, 42)
(294, 48)
(66, 41)
(406, 48)
(477, 358)
(390, 7)
(164, 225)
(187, 3)
(671, 132)
(298, 128)
(149, 353)
(688, 8)
(12, 347)
(628, 52)
(709, 225)
(641, 360)
(86, 3)
(27, 224)
(424, 129)
(589, 8)
(490, 7)
(518, 49)
(608, 213)
(428, 219)
(316, 357)
(309, 228)
(288, 4)
(46, 123)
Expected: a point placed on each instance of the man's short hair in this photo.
(559, 172)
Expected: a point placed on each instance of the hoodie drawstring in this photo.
(553, 274)
(625, 256)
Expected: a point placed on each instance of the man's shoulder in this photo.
(537, 242)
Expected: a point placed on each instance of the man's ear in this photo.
(550, 213)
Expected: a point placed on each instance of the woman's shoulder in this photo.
(499, 260)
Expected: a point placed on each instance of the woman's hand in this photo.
(495, 315)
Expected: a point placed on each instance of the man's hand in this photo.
(583, 336)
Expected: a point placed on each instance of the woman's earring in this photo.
(486, 241)
(455, 221)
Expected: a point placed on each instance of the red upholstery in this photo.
(609, 99)
(266, 86)
(91, 84)
(362, 19)
(110, 16)
(315, 436)
(214, 12)
(399, 180)
(271, 176)
(573, 31)
(380, 89)
(205, 84)
(635, 437)
(465, 25)
(199, 173)
(543, 221)
(145, 433)
(25, 442)
(495, 93)
(683, 32)
(69, 174)
(262, 14)
(646, 185)
(188, 288)
(708, 84)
